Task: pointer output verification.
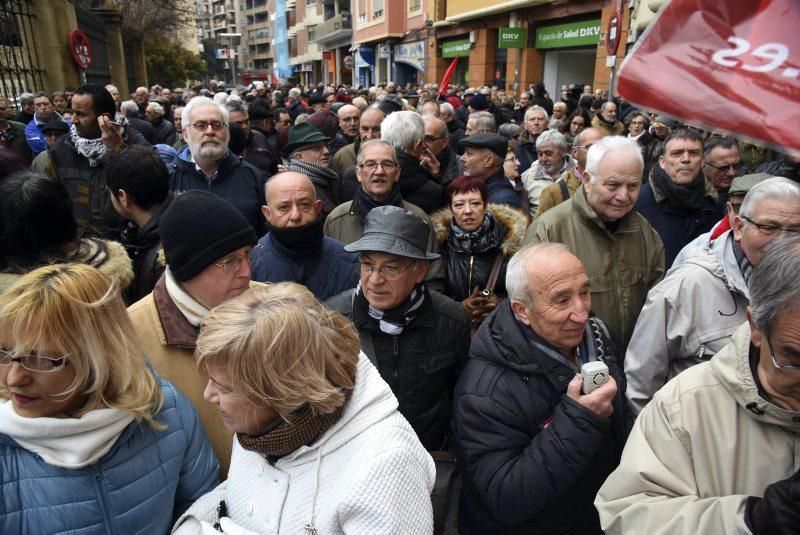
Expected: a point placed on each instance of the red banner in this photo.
(448, 75)
(728, 66)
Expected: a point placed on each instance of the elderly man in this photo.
(27, 109)
(347, 133)
(480, 122)
(533, 450)
(12, 133)
(536, 120)
(483, 157)
(405, 131)
(437, 140)
(622, 254)
(78, 160)
(566, 186)
(552, 162)
(295, 103)
(45, 112)
(206, 163)
(416, 337)
(606, 120)
(295, 248)
(716, 450)
(163, 130)
(694, 311)
(369, 127)
(130, 111)
(177, 113)
(142, 97)
(455, 130)
(524, 102)
(721, 164)
(677, 199)
(259, 152)
(114, 94)
(308, 153)
(207, 243)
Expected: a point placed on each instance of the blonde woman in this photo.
(90, 441)
(320, 446)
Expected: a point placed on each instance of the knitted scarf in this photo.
(480, 240)
(285, 437)
(321, 177)
(741, 259)
(300, 242)
(367, 203)
(91, 149)
(687, 198)
(394, 320)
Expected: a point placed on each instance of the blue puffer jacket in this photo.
(144, 483)
(326, 275)
(34, 135)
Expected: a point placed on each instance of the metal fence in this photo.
(19, 57)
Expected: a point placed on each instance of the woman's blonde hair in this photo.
(282, 349)
(75, 310)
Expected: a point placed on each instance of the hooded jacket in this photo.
(706, 442)
(464, 271)
(236, 181)
(687, 318)
(368, 473)
(532, 458)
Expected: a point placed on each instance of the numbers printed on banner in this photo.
(774, 53)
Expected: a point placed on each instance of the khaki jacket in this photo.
(622, 266)
(704, 444)
(607, 129)
(553, 196)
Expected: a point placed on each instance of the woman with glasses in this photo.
(638, 127)
(37, 227)
(476, 238)
(320, 446)
(91, 441)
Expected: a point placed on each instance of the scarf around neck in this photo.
(321, 176)
(684, 197)
(741, 259)
(367, 203)
(394, 320)
(91, 149)
(300, 242)
(480, 240)
(193, 311)
(66, 442)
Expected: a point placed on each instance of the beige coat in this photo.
(704, 444)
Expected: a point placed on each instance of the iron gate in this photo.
(93, 26)
(19, 56)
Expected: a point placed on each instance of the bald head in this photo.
(291, 200)
(370, 124)
(348, 119)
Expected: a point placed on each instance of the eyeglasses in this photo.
(431, 139)
(33, 363)
(390, 273)
(388, 165)
(231, 264)
(511, 159)
(201, 126)
(587, 146)
(725, 166)
(768, 229)
(786, 367)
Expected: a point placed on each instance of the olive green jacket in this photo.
(622, 266)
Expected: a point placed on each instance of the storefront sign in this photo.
(385, 51)
(512, 38)
(307, 67)
(456, 47)
(411, 53)
(584, 33)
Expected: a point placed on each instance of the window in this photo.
(414, 5)
(312, 33)
(377, 9)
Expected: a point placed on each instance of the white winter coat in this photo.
(368, 474)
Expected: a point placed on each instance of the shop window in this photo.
(500, 64)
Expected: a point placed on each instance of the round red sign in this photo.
(612, 33)
(79, 48)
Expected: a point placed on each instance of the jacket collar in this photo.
(629, 223)
(719, 259)
(425, 318)
(177, 329)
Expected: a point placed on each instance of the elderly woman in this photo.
(320, 446)
(476, 240)
(91, 441)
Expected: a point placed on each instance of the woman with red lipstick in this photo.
(472, 235)
(90, 440)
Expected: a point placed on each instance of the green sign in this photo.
(512, 38)
(582, 33)
(456, 47)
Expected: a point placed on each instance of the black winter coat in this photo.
(532, 458)
(164, 132)
(417, 185)
(143, 246)
(420, 364)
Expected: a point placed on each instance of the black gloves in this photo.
(778, 511)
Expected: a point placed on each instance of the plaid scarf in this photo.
(91, 149)
(744, 264)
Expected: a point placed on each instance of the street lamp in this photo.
(231, 37)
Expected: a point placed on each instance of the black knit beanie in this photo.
(199, 228)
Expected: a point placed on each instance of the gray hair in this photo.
(236, 105)
(129, 106)
(517, 284)
(552, 137)
(613, 144)
(26, 97)
(539, 109)
(775, 282)
(156, 107)
(403, 129)
(776, 188)
(197, 102)
(372, 142)
(294, 93)
(446, 107)
(484, 122)
(431, 118)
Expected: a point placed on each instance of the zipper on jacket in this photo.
(103, 498)
(469, 276)
(395, 364)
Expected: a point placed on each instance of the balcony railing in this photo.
(334, 28)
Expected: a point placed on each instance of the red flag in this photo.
(448, 75)
(728, 66)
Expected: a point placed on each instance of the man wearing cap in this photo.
(207, 244)
(308, 154)
(53, 130)
(694, 311)
(258, 152)
(207, 164)
(483, 157)
(415, 337)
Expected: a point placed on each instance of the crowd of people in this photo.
(287, 309)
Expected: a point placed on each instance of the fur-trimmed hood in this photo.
(513, 220)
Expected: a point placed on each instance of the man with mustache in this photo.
(552, 162)
(207, 164)
(677, 200)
